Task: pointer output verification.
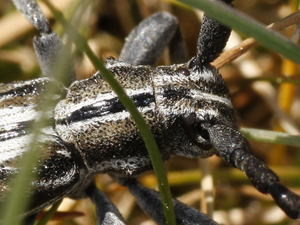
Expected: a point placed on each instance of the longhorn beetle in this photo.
(187, 106)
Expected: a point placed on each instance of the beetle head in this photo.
(190, 97)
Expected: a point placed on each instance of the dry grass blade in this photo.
(249, 43)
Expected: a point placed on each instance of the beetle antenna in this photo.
(236, 151)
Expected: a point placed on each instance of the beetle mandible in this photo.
(186, 105)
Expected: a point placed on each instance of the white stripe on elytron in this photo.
(16, 114)
(177, 79)
(14, 147)
(196, 94)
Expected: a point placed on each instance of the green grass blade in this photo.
(271, 137)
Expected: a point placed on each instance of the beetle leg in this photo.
(29, 220)
(208, 48)
(106, 212)
(150, 201)
(50, 50)
(147, 41)
(235, 150)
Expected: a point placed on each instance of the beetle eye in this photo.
(202, 131)
(183, 71)
(197, 132)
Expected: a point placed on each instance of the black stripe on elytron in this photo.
(34, 88)
(176, 94)
(16, 130)
(110, 106)
(211, 87)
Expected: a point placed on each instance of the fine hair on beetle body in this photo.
(83, 128)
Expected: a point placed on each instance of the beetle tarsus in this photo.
(211, 30)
